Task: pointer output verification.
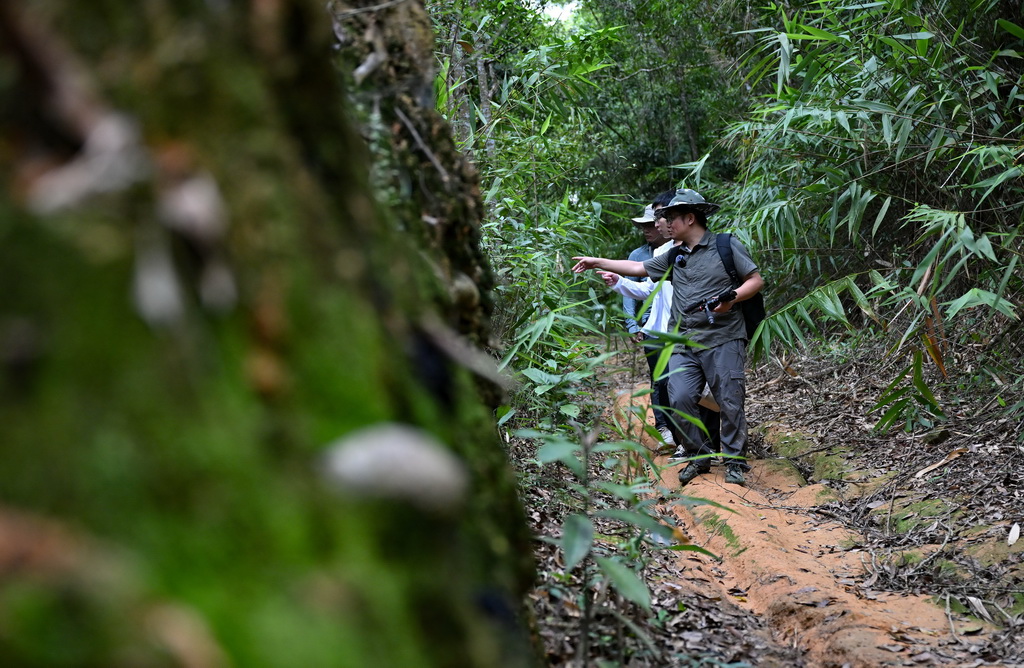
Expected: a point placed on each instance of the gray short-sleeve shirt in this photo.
(702, 275)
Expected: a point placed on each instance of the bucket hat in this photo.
(692, 199)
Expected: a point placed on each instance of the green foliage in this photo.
(669, 92)
(913, 404)
(795, 321)
(625, 501)
(510, 84)
(881, 169)
(577, 539)
(625, 581)
(533, 143)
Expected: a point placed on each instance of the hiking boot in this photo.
(734, 475)
(666, 435)
(690, 472)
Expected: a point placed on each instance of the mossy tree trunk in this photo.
(201, 296)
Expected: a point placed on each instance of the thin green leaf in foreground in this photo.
(625, 581)
(577, 537)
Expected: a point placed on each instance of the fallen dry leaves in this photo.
(973, 465)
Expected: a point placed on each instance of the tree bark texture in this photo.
(245, 422)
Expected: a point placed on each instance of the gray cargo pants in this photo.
(722, 367)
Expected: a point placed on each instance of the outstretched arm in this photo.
(610, 279)
(623, 267)
(635, 290)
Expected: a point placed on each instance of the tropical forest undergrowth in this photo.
(908, 541)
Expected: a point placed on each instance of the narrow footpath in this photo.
(800, 570)
(801, 574)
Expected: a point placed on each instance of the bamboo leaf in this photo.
(866, 5)
(785, 49)
(639, 520)
(919, 382)
(844, 121)
(978, 297)
(893, 414)
(897, 45)
(547, 123)
(881, 215)
(810, 32)
(999, 179)
(1007, 273)
(1011, 28)
(984, 247)
(577, 539)
(905, 126)
(891, 395)
(663, 359)
(625, 581)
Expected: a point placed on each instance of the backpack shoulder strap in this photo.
(724, 242)
(671, 255)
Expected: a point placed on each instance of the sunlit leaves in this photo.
(978, 297)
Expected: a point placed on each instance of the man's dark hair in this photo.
(662, 199)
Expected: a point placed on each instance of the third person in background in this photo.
(653, 321)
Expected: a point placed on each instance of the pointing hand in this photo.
(584, 263)
(610, 278)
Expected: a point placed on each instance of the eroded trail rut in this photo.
(801, 572)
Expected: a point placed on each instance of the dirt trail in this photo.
(799, 572)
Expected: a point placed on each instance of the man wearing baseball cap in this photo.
(639, 330)
(698, 273)
(653, 239)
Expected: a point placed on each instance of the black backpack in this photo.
(753, 308)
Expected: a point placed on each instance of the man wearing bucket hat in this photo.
(699, 273)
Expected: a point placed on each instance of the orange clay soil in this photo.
(795, 570)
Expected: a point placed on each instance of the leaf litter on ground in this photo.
(985, 478)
